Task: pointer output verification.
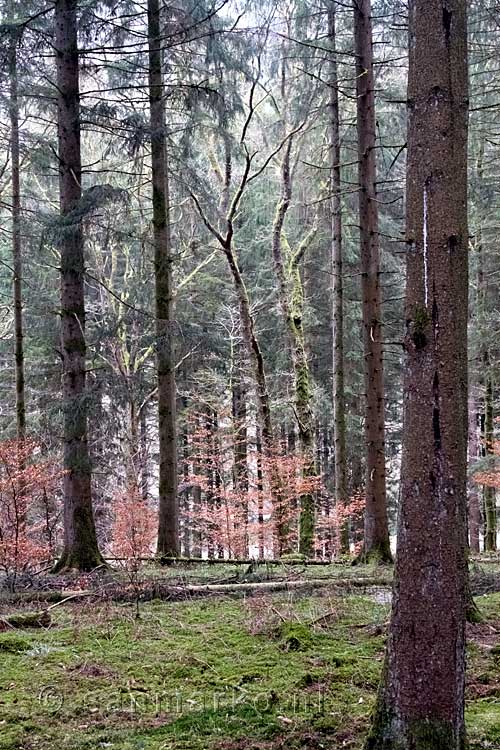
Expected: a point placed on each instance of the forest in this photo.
(249, 405)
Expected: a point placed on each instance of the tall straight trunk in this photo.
(240, 468)
(80, 541)
(16, 241)
(474, 505)
(143, 422)
(376, 543)
(490, 510)
(196, 536)
(421, 702)
(260, 495)
(168, 515)
(339, 421)
(186, 526)
(132, 453)
(217, 463)
(489, 495)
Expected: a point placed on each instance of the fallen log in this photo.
(170, 592)
(273, 586)
(26, 620)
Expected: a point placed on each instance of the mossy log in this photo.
(23, 620)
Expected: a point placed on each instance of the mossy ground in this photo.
(277, 672)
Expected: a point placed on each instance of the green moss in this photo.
(388, 733)
(377, 554)
(228, 660)
(421, 320)
(13, 643)
(294, 636)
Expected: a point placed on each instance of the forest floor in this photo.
(274, 671)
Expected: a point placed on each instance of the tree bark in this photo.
(80, 541)
(260, 495)
(186, 524)
(16, 240)
(490, 509)
(376, 542)
(291, 297)
(240, 466)
(421, 701)
(339, 421)
(474, 505)
(168, 516)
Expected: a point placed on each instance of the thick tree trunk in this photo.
(80, 542)
(421, 701)
(16, 241)
(168, 519)
(339, 422)
(376, 542)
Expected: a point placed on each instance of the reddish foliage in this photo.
(134, 527)
(328, 527)
(491, 477)
(236, 517)
(28, 506)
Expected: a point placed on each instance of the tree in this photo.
(421, 700)
(291, 296)
(80, 541)
(168, 524)
(17, 266)
(339, 421)
(376, 543)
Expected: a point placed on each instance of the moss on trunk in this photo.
(378, 554)
(391, 733)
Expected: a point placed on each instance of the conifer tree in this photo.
(80, 541)
(421, 699)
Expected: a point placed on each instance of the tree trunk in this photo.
(16, 242)
(260, 495)
(339, 422)
(168, 519)
(291, 297)
(263, 402)
(217, 468)
(143, 421)
(421, 701)
(490, 509)
(80, 541)
(474, 505)
(376, 542)
(186, 524)
(240, 467)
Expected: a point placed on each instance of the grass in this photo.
(270, 673)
